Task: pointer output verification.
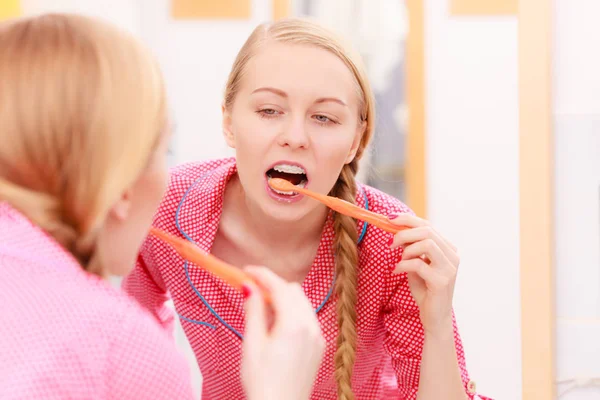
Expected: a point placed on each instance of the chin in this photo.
(285, 212)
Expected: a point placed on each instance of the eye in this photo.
(323, 120)
(268, 113)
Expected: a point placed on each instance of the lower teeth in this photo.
(284, 193)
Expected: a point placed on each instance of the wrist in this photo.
(442, 329)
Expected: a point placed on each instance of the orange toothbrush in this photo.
(189, 251)
(339, 205)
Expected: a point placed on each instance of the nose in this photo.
(294, 134)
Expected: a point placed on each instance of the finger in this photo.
(407, 219)
(303, 317)
(417, 285)
(417, 266)
(256, 323)
(414, 235)
(410, 220)
(293, 311)
(280, 293)
(430, 249)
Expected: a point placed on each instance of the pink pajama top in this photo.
(390, 334)
(67, 334)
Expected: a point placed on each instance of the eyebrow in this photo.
(283, 94)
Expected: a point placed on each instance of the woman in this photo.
(298, 106)
(82, 169)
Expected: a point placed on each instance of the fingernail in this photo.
(393, 216)
(391, 241)
(246, 291)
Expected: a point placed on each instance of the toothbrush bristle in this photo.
(281, 184)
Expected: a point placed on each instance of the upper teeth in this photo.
(289, 169)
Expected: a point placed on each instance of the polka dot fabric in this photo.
(66, 334)
(389, 330)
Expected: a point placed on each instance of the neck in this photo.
(276, 234)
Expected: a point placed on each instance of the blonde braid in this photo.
(346, 270)
(46, 212)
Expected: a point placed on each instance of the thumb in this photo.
(417, 286)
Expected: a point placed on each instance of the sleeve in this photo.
(144, 364)
(404, 340)
(146, 286)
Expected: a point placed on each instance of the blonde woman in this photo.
(298, 106)
(83, 143)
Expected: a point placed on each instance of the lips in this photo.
(293, 172)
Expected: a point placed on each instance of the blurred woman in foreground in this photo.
(84, 137)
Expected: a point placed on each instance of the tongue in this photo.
(294, 179)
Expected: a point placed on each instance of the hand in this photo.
(431, 263)
(281, 362)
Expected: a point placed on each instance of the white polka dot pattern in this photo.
(67, 334)
(389, 330)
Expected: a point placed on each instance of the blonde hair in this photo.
(82, 107)
(305, 32)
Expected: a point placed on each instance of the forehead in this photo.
(300, 70)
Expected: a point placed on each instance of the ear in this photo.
(360, 130)
(227, 127)
(121, 209)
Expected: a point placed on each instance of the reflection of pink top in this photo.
(390, 334)
(66, 334)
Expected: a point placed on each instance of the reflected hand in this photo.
(431, 263)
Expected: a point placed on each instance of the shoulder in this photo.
(382, 203)
(143, 360)
(139, 336)
(184, 175)
(182, 179)
(105, 302)
(127, 325)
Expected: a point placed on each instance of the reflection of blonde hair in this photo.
(82, 106)
(299, 31)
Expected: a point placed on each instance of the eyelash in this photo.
(263, 114)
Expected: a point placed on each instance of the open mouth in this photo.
(294, 174)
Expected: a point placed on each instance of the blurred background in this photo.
(488, 125)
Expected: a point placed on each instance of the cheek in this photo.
(149, 191)
(331, 153)
(252, 143)
(333, 149)
(156, 185)
(122, 238)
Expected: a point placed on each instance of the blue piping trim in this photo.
(360, 239)
(365, 224)
(181, 205)
(197, 322)
(185, 264)
(326, 297)
(212, 311)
